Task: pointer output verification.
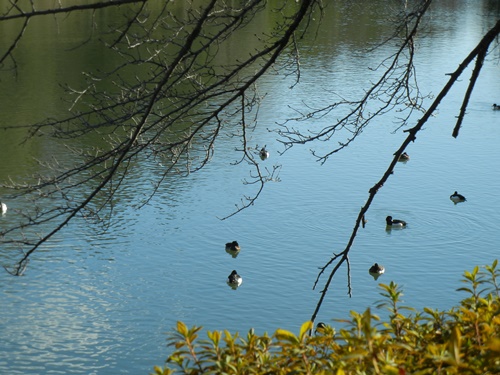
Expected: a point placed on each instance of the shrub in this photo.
(462, 340)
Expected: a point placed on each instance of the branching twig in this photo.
(160, 114)
(479, 51)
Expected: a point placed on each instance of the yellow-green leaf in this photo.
(494, 345)
(283, 334)
(182, 329)
(214, 336)
(306, 326)
(454, 344)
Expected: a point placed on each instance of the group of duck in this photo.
(234, 280)
(376, 270)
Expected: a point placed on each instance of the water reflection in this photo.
(233, 248)
(234, 280)
(404, 157)
(233, 254)
(263, 153)
(376, 271)
(101, 303)
(233, 285)
(457, 198)
(394, 223)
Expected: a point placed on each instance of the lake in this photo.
(102, 302)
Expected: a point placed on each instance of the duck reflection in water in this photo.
(376, 270)
(233, 248)
(457, 198)
(404, 157)
(394, 223)
(234, 280)
(263, 153)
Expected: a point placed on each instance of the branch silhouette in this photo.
(161, 114)
(478, 53)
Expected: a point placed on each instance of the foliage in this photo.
(463, 340)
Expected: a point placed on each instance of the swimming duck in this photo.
(404, 157)
(234, 278)
(264, 154)
(377, 269)
(455, 197)
(496, 106)
(3, 208)
(233, 246)
(395, 223)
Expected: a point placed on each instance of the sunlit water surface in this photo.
(102, 303)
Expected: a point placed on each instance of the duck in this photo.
(377, 269)
(496, 106)
(404, 157)
(3, 208)
(455, 197)
(233, 246)
(234, 278)
(320, 328)
(263, 153)
(395, 223)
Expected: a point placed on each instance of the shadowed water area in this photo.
(94, 302)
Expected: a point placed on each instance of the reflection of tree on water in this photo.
(175, 90)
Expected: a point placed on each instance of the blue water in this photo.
(102, 303)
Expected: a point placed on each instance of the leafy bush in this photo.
(463, 340)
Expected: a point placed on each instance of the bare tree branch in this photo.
(479, 52)
(158, 113)
(51, 11)
(393, 89)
